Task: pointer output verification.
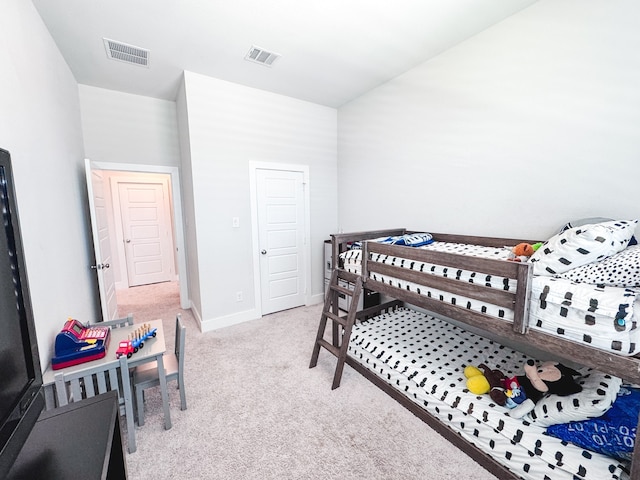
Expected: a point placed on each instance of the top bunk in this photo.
(576, 297)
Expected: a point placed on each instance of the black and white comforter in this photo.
(425, 357)
(599, 316)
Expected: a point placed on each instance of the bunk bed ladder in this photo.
(341, 324)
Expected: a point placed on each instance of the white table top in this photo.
(153, 347)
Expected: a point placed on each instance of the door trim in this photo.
(179, 242)
(306, 250)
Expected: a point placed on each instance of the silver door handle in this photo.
(100, 266)
(264, 252)
(128, 240)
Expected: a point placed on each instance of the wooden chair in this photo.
(146, 375)
(73, 387)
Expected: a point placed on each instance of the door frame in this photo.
(255, 240)
(178, 226)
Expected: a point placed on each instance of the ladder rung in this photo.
(341, 320)
(334, 350)
(341, 289)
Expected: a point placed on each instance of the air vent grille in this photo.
(126, 53)
(261, 56)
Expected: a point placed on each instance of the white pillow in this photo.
(620, 270)
(599, 391)
(582, 245)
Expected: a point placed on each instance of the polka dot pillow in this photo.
(599, 391)
(620, 270)
(582, 245)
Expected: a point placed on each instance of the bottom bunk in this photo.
(420, 361)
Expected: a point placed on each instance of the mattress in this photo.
(424, 358)
(601, 317)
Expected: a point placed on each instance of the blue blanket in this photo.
(409, 240)
(612, 434)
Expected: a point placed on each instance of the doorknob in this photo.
(128, 240)
(100, 266)
(264, 252)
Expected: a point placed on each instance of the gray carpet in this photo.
(256, 411)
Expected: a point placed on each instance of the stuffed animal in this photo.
(522, 251)
(522, 392)
(546, 378)
(482, 379)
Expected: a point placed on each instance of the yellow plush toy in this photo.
(477, 383)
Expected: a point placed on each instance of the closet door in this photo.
(281, 230)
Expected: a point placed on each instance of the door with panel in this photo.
(147, 232)
(281, 234)
(101, 241)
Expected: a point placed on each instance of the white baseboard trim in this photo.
(228, 320)
(317, 298)
(240, 317)
(196, 315)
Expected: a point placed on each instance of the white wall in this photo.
(531, 123)
(40, 126)
(124, 128)
(230, 125)
(190, 227)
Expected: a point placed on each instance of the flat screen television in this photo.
(21, 399)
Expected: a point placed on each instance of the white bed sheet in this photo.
(601, 317)
(424, 358)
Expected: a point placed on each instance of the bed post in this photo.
(365, 262)
(524, 278)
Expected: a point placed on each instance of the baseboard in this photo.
(228, 320)
(239, 317)
(317, 298)
(196, 315)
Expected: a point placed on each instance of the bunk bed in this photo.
(457, 301)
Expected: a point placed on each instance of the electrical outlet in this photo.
(238, 296)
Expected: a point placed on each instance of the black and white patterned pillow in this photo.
(620, 270)
(599, 391)
(582, 245)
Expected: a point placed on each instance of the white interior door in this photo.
(101, 245)
(146, 225)
(281, 226)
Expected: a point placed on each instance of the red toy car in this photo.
(131, 346)
(125, 348)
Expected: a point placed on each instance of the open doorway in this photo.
(145, 230)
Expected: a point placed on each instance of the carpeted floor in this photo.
(256, 411)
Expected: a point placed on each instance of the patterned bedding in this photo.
(600, 316)
(424, 358)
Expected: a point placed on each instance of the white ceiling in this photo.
(332, 50)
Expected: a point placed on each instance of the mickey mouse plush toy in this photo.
(521, 392)
(548, 377)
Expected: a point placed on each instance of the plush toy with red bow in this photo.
(522, 392)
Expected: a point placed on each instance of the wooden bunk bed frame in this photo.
(508, 332)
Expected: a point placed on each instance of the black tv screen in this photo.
(21, 399)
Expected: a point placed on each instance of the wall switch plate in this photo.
(235, 222)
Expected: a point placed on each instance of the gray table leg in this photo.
(164, 392)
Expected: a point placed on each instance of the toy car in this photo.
(125, 348)
(131, 346)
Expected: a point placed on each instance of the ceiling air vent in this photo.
(261, 56)
(126, 53)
